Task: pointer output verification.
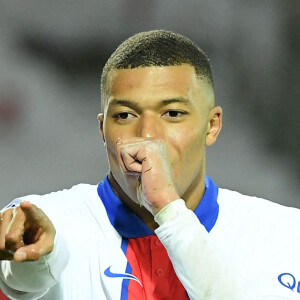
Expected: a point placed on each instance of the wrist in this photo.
(163, 199)
(170, 212)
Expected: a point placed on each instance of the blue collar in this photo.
(130, 226)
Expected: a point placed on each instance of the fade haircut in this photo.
(156, 48)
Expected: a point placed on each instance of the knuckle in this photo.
(123, 150)
(12, 237)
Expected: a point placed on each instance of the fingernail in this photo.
(20, 256)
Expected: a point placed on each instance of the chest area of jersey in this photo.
(149, 273)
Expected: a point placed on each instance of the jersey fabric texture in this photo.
(231, 247)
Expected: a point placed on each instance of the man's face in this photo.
(167, 103)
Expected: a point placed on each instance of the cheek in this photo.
(112, 135)
(188, 142)
(110, 143)
(190, 156)
(187, 154)
(111, 139)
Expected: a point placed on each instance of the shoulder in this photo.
(65, 196)
(258, 213)
(79, 200)
(258, 237)
(261, 217)
(228, 199)
(255, 227)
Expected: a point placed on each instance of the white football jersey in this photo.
(231, 247)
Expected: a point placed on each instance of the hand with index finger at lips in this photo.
(148, 158)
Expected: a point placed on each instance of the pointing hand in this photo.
(26, 233)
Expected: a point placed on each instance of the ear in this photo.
(101, 119)
(214, 125)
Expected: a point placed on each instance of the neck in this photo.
(192, 197)
(139, 211)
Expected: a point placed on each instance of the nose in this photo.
(149, 126)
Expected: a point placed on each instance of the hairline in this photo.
(104, 94)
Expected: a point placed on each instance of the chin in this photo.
(127, 183)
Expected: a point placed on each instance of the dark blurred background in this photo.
(51, 57)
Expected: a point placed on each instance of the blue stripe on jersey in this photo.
(124, 245)
(125, 283)
(130, 226)
(125, 221)
(207, 210)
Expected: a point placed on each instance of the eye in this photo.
(123, 116)
(174, 115)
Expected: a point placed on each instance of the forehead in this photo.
(155, 80)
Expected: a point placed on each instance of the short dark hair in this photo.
(157, 48)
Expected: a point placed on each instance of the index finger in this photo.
(32, 213)
(36, 223)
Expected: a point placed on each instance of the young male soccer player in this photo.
(157, 227)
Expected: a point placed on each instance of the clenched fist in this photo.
(147, 158)
(26, 233)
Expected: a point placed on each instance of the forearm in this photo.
(33, 279)
(198, 265)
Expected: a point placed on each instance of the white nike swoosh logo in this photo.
(110, 274)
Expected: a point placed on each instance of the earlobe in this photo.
(214, 126)
(101, 120)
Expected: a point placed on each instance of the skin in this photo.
(26, 233)
(156, 124)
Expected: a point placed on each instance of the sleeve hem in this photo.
(170, 212)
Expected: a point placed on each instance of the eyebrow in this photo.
(174, 100)
(134, 105)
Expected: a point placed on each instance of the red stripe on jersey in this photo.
(2, 296)
(151, 265)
